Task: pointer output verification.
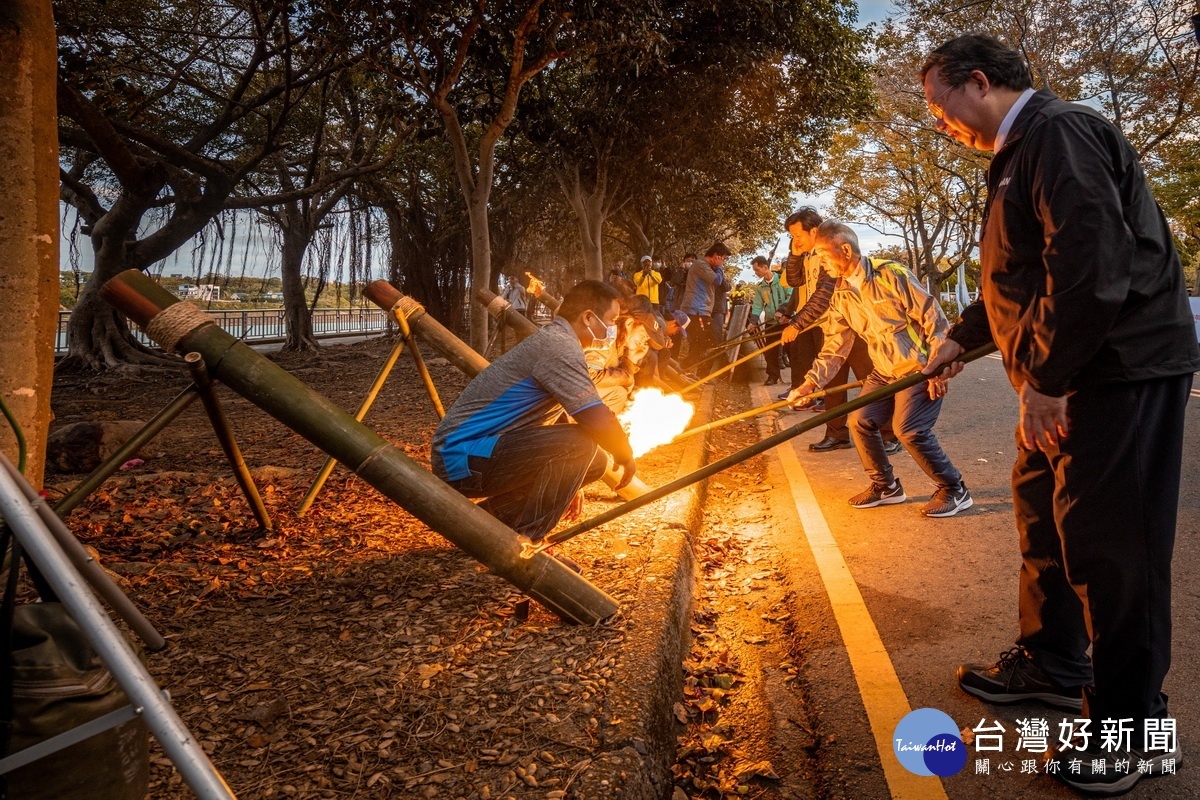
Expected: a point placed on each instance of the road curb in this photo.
(636, 746)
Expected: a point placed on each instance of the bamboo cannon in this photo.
(180, 327)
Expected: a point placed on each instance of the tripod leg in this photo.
(420, 362)
(225, 436)
(360, 415)
(151, 429)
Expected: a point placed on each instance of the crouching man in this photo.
(883, 303)
(494, 441)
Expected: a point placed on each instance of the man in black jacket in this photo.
(1083, 292)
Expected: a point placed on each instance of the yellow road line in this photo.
(882, 695)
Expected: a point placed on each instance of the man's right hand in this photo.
(789, 334)
(628, 470)
(945, 354)
(800, 396)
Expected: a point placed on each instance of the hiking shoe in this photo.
(879, 496)
(892, 447)
(1096, 770)
(1015, 679)
(946, 502)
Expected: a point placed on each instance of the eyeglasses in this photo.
(935, 105)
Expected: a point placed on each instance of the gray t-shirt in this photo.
(527, 386)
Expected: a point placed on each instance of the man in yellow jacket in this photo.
(901, 323)
(647, 280)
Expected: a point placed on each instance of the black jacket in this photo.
(1081, 281)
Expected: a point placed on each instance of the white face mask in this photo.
(602, 342)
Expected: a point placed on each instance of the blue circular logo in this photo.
(926, 742)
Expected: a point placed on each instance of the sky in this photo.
(258, 263)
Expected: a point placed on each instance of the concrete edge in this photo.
(636, 747)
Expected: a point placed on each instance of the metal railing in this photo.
(268, 324)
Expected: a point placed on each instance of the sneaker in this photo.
(1015, 679)
(879, 496)
(946, 502)
(892, 447)
(1107, 772)
(784, 395)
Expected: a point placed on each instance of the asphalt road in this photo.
(941, 592)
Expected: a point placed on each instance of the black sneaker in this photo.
(892, 447)
(1107, 772)
(1015, 679)
(947, 502)
(879, 496)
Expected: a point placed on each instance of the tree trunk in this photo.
(481, 263)
(297, 235)
(590, 218)
(29, 223)
(98, 337)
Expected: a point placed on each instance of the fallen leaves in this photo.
(353, 651)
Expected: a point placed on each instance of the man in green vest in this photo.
(768, 298)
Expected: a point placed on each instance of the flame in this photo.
(653, 418)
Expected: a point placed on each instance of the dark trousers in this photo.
(532, 475)
(802, 352)
(913, 414)
(1096, 518)
(700, 340)
(859, 360)
(772, 355)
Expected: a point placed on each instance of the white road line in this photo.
(882, 694)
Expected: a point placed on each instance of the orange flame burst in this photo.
(653, 418)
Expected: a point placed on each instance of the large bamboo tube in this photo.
(181, 328)
(452, 348)
(505, 314)
(389, 298)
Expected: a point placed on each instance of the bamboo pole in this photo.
(113, 463)
(220, 424)
(731, 365)
(182, 327)
(453, 349)
(360, 415)
(817, 420)
(754, 412)
(541, 295)
(505, 314)
(419, 361)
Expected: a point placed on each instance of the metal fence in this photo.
(268, 325)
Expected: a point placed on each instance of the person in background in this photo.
(647, 281)
(1084, 294)
(884, 304)
(494, 442)
(666, 291)
(677, 323)
(626, 362)
(720, 310)
(768, 298)
(514, 293)
(811, 291)
(698, 304)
